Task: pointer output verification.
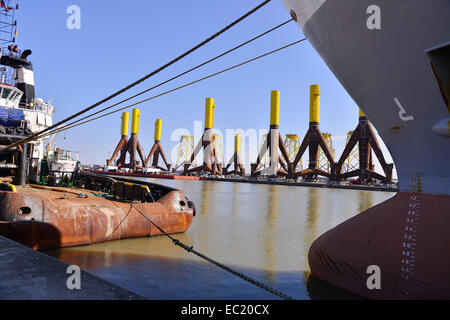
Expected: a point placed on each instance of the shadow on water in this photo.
(192, 279)
(321, 290)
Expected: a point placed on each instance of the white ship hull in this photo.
(387, 73)
(397, 249)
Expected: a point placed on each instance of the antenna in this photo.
(8, 33)
(8, 23)
(3, 70)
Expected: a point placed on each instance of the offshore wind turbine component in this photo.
(157, 150)
(313, 140)
(273, 143)
(211, 163)
(236, 159)
(185, 150)
(364, 136)
(324, 163)
(292, 143)
(129, 146)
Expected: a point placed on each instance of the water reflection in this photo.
(270, 229)
(236, 198)
(312, 216)
(206, 193)
(264, 231)
(365, 200)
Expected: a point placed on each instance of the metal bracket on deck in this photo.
(132, 192)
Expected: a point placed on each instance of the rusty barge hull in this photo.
(51, 218)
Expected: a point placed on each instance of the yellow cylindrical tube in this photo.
(209, 113)
(8, 185)
(158, 126)
(237, 143)
(125, 121)
(275, 108)
(314, 103)
(135, 121)
(361, 114)
(214, 115)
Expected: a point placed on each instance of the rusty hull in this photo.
(41, 219)
(406, 237)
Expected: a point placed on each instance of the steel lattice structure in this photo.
(324, 163)
(352, 162)
(185, 149)
(292, 143)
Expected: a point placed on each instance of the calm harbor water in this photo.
(263, 231)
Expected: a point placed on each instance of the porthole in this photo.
(24, 210)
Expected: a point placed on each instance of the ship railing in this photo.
(64, 155)
(119, 190)
(38, 105)
(4, 52)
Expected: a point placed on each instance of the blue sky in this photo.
(120, 42)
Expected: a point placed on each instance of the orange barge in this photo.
(97, 210)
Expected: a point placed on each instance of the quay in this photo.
(27, 274)
(325, 184)
(260, 180)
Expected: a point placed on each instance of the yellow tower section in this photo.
(125, 120)
(314, 103)
(209, 113)
(275, 108)
(136, 114)
(292, 143)
(324, 164)
(185, 150)
(158, 127)
(237, 143)
(352, 161)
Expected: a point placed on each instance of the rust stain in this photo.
(38, 219)
(396, 128)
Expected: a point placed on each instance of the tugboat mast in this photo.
(8, 34)
(21, 113)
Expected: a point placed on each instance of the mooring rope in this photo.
(56, 130)
(151, 74)
(216, 263)
(181, 87)
(120, 223)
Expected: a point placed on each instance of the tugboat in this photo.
(21, 113)
(59, 165)
(60, 206)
